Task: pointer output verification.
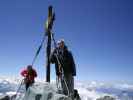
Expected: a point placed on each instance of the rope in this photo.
(38, 50)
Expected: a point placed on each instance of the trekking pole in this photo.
(57, 83)
(18, 89)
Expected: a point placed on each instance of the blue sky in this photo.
(98, 32)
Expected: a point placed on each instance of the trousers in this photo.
(68, 84)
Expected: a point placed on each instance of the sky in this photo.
(98, 32)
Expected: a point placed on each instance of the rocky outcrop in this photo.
(43, 92)
(106, 98)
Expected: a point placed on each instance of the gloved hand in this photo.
(25, 75)
(60, 69)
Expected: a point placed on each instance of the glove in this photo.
(60, 71)
(25, 75)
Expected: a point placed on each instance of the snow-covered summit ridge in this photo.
(87, 90)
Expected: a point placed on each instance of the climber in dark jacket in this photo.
(64, 63)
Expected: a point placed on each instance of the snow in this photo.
(87, 90)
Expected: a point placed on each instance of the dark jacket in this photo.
(66, 60)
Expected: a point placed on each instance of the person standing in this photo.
(64, 65)
(29, 75)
